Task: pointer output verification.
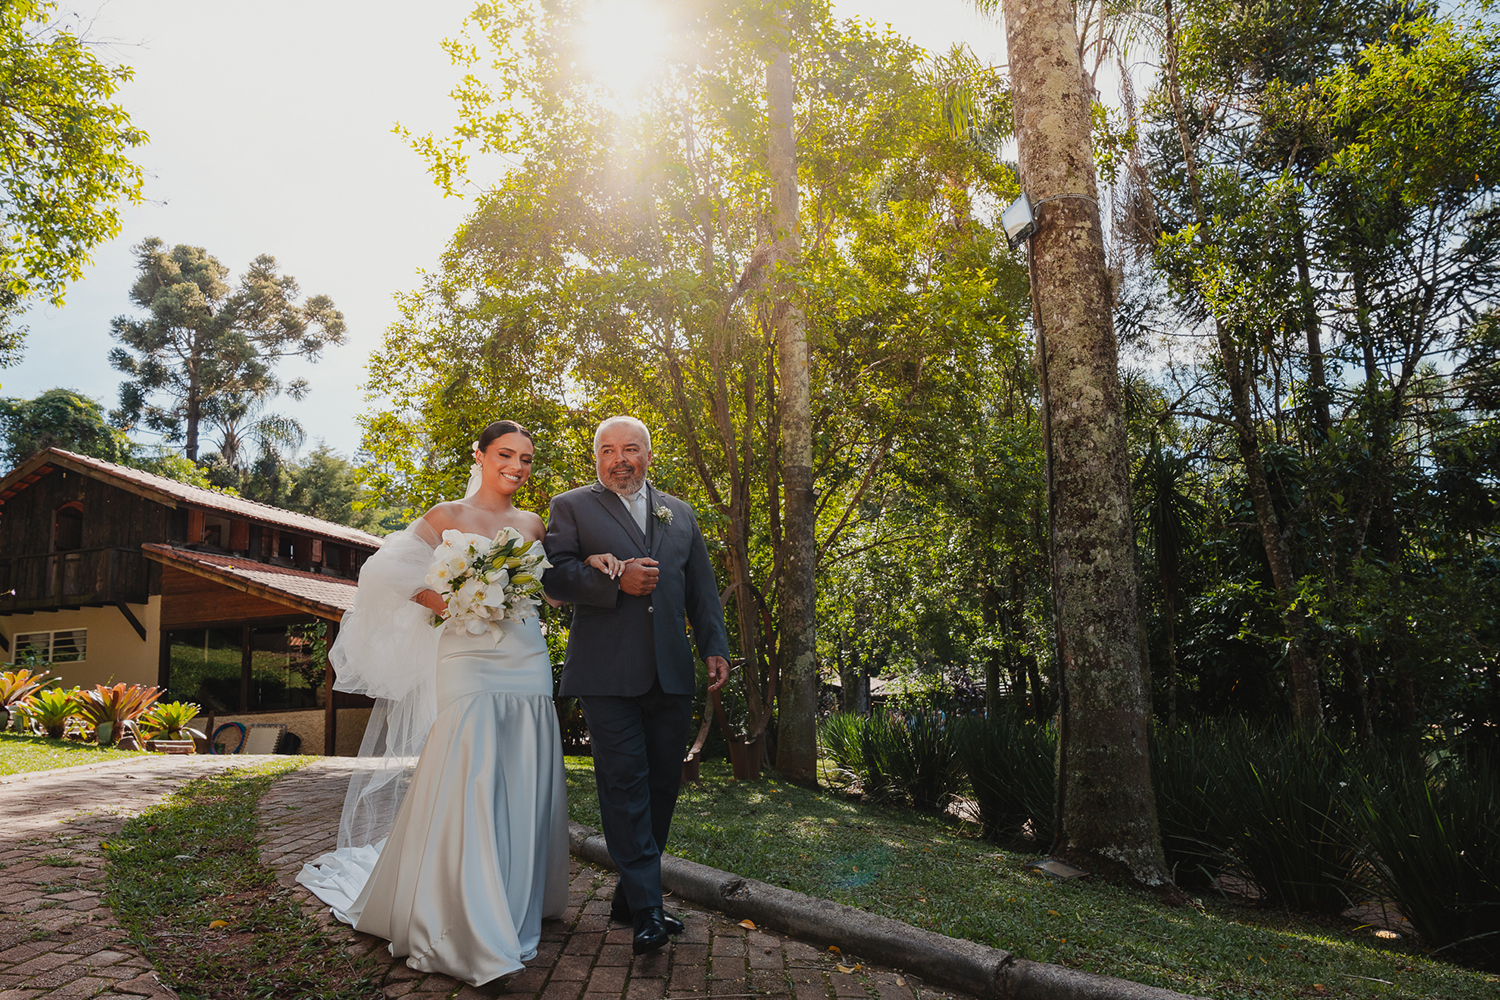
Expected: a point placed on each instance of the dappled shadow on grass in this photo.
(192, 862)
(935, 873)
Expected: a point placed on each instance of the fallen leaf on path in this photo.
(218, 923)
(846, 969)
(750, 924)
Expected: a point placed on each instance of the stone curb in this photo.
(987, 973)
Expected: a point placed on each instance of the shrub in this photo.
(117, 705)
(51, 709)
(1187, 773)
(1286, 804)
(909, 757)
(18, 685)
(1434, 829)
(920, 759)
(1011, 766)
(169, 720)
(842, 737)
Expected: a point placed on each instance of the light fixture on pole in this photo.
(1017, 221)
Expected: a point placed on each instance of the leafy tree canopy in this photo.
(203, 349)
(64, 166)
(59, 418)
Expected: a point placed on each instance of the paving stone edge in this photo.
(987, 973)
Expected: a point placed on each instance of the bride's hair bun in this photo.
(499, 429)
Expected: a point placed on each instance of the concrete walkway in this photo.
(57, 939)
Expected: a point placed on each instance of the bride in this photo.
(457, 856)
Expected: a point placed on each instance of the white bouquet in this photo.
(486, 580)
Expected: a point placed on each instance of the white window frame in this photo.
(47, 642)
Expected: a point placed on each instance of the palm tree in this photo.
(242, 422)
(1169, 517)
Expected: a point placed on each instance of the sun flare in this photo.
(623, 44)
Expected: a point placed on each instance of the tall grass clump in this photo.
(1187, 772)
(1433, 825)
(1287, 805)
(892, 756)
(1011, 766)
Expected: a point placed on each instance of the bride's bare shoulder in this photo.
(531, 525)
(444, 515)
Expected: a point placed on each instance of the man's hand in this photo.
(718, 672)
(639, 577)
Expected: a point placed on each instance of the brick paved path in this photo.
(584, 956)
(58, 940)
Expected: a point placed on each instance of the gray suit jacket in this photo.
(618, 643)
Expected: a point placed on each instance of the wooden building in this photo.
(111, 574)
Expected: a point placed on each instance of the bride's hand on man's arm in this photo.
(431, 600)
(607, 564)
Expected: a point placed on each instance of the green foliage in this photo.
(1188, 766)
(1287, 804)
(907, 758)
(64, 166)
(170, 720)
(622, 263)
(207, 351)
(1432, 824)
(50, 709)
(18, 685)
(1011, 765)
(115, 704)
(59, 418)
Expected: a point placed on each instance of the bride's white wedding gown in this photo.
(478, 853)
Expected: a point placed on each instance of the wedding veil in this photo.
(387, 649)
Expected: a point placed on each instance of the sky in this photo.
(271, 132)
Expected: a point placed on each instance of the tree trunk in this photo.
(796, 729)
(1106, 807)
(193, 406)
(1169, 600)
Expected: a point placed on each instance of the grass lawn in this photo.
(37, 753)
(937, 874)
(178, 869)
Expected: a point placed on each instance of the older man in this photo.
(630, 661)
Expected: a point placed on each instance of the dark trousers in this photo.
(638, 746)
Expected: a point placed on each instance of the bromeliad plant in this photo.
(115, 706)
(51, 708)
(15, 687)
(169, 721)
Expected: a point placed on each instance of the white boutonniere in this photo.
(664, 513)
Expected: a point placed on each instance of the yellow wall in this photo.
(308, 724)
(115, 651)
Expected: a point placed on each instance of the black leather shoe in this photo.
(650, 931)
(619, 912)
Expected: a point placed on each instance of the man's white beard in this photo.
(630, 488)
